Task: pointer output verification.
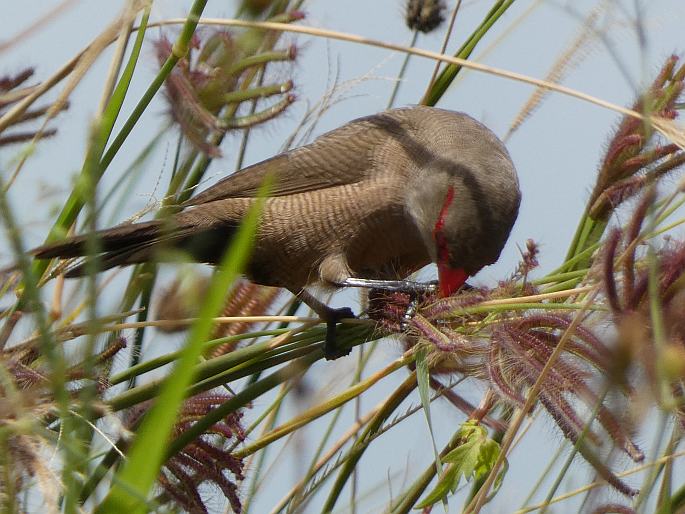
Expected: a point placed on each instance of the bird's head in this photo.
(464, 204)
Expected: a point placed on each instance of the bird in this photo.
(364, 205)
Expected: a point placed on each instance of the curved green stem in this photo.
(391, 404)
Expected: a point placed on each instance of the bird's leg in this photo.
(391, 285)
(331, 316)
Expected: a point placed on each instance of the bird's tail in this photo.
(141, 242)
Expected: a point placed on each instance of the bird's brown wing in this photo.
(342, 156)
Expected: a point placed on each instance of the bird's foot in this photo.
(396, 308)
(409, 312)
(331, 349)
(418, 295)
(431, 286)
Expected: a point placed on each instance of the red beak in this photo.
(450, 279)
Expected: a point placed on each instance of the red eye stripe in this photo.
(450, 279)
(449, 198)
(438, 234)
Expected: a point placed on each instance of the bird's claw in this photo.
(409, 313)
(331, 349)
(429, 287)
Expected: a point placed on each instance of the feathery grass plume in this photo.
(180, 301)
(25, 365)
(650, 341)
(205, 460)
(570, 58)
(507, 350)
(391, 309)
(206, 88)
(23, 466)
(424, 15)
(25, 399)
(518, 283)
(12, 90)
(635, 159)
(26, 402)
(244, 299)
(529, 259)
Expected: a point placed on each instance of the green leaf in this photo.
(447, 76)
(423, 379)
(472, 459)
(444, 487)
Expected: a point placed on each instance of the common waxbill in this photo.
(366, 204)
